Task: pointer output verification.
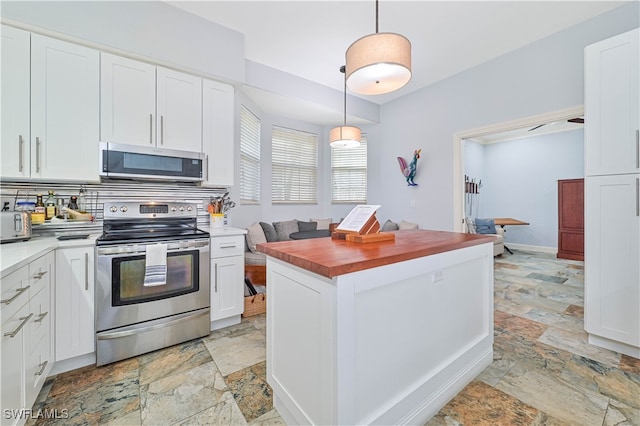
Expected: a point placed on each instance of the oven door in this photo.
(122, 298)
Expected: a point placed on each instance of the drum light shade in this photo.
(345, 137)
(378, 63)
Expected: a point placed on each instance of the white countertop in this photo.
(15, 255)
(225, 231)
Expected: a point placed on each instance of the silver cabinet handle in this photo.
(216, 279)
(37, 154)
(231, 246)
(22, 324)
(20, 153)
(162, 130)
(19, 292)
(39, 275)
(151, 129)
(41, 317)
(86, 271)
(42, 367)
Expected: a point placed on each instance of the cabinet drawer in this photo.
(227, 246)
(38, 365)
(14, 292)
(40, 323)
(39, 274)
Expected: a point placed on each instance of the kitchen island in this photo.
(376, 333)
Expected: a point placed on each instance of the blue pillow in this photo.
(485, 226)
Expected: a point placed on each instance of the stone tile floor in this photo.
(544, 371)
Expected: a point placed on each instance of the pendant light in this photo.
(378, 63)
(344, 136)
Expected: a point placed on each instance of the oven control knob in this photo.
(173, 209)
(113, 209)
(123, 209)
(181, 209)
(189, 208)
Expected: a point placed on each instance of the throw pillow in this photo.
(285, 228)
(407, 225)
(255, 235)
(471, 226)
(389, 226)
(485, 226)
(322, 223)
(269, 232)
(307, 226)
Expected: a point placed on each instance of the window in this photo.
(349, 174)
(249, 157)
(294, 167)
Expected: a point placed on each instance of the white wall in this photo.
(521, 181)
(541, 77)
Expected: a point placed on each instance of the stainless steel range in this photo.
(152, 283)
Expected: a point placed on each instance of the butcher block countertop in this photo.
(330, 258)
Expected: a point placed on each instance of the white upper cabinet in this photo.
(50, 108)
(15, 103)
(179, 103)
(217, 132)
(612, 105)
(128, 101)
(142, 104)
(65, 94)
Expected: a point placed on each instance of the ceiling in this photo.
(309, 38)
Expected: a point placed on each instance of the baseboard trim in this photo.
(526, 247)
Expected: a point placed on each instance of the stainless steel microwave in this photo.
(141, 162)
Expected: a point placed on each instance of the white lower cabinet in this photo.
(26, 349)
(227, 279)
(612, 267)
(75, 326)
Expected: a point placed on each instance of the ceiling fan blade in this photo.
(576, 120)
(536, 127)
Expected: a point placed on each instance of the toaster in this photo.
(16, 226)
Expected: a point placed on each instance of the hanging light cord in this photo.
(376, 16)
(343, 70)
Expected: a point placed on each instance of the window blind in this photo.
(294, 167)
(349, 174)
(249, 157)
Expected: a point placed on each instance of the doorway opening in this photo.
(458, 151)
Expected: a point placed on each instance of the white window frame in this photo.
(249, 157)
(349, 174)
(294, 166)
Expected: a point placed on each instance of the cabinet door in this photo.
(217, 132)
(612, 250)
(612, 105)
(15, 103)
(64, 110)
(179, 103)
(227, 287)
(127, 101)
(75, 330)
(12, 391)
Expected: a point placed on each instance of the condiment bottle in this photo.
(39, 204)
(82, 200)
(73, 203)
(50, 206)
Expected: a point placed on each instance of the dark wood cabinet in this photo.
(571, 219)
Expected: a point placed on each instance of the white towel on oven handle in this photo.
(155, 270)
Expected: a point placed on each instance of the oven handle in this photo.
(133, 330)
(141, 248)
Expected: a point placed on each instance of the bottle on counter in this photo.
(60, 207)
(38, 214)
(82, 200)
(73, 203)
(50, 206)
